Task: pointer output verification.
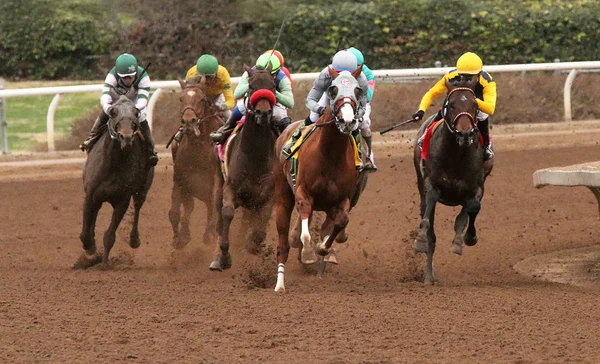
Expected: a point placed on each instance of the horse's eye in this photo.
(181, 99)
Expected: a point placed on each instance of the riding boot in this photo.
(287, 149)
(484, 129)
(356, 136)
(153, 157)
(370, 164)
(89, 142)
(221, 134)
(283, 123)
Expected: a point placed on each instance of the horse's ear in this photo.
(136, 112)
(333, 73)
(248, 69)
(181, 83)
(113, 112)
(356, 73)
(449, 85)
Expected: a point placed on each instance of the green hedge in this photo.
(51, 39)
(59, 38)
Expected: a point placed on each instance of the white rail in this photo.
(379, 74)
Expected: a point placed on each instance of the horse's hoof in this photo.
(456, 249)
(215, 266)
(342, 237)
(331, 257)
(134, 241)
(308, 256)
(428, 280)
(420, 245)
(470, 240)
(322, 251)
(179, 242)
(226, 261)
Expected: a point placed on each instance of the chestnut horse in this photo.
(196, 166)
(249, 165)
(453, 172)
(327, 179)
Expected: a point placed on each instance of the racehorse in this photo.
(115, 171)
(196, 166)
(327, 178)
(452, 172)
(248, 164)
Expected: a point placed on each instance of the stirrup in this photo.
(216, 137)
(153, 159)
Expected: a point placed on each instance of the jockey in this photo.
(365, 126)
(283, 94)
(125, 78)
(318, 99)
(468, 65)
(279, 56)
(217, 85)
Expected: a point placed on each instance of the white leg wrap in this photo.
(305, 236)
(280, 286)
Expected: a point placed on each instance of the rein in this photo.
(451, 125)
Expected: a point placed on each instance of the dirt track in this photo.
(155, 305)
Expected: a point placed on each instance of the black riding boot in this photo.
(152, 158)
(89, 142)
(287, 149)
(484, 129)
(370, 165)
(283, 123)
(221, 134)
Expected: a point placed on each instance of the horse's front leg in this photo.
(222, 257)
(426, 239)
(473, 206)
(138, 202)
(304, 205)
(258, 222)
(175, 213)
(340, 220)
(284, 204)
(90, 213)
(110, 235)
(459, 228)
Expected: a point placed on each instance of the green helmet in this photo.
(207, 65)
(264, 60)
(126, 65)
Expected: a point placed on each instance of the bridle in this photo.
(206, 103)
(451, 124)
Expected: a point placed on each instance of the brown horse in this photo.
(115, 171)
(196, 166)
(249, 166)
(327, 179)
(452, 173)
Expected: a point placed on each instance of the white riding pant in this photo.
(481, 116)
(279, 111)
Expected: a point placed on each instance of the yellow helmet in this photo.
(469, 63)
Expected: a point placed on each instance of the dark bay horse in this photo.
(453, 172)
(114, 172)
(249, 166)
(327, 179)
(196, 166)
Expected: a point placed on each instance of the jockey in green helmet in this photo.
(125, 78)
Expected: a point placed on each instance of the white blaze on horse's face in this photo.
(344, 101)
(191, 93)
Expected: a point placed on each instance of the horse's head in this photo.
(344, 94)
(261, 94)
(194, 106)
(123, 123)
(460, 111)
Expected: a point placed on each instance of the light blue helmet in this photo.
(360, 59)
(344, 61)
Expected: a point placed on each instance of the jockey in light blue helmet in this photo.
(365, 126)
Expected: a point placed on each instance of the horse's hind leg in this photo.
(181, 235)
(473, 207)
(459, 228)
(214, 204)
(258, 221)
(90, 213)
(110, 235)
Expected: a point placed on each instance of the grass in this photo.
(26, 116)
